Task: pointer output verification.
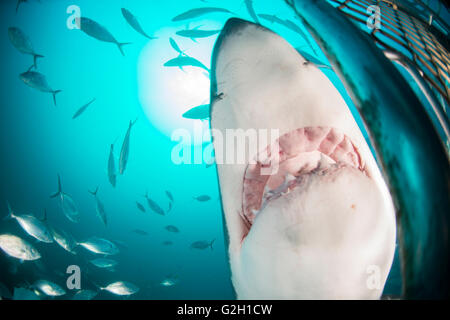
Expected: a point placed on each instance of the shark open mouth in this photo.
(290, 159)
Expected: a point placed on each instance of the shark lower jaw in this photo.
(290, 162)
(315, 225)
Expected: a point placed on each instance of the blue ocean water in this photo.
(40, 141)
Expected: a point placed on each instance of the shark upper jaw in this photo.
(319, 239)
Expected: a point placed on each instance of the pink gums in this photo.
(299, 152)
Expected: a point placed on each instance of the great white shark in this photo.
(321, 224)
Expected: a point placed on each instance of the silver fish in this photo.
(140, 232)
(32, 225)
(38, 81)
(121, 288)
(271, 18)
(193, 34)
(154, 206)
(183, 61)
(167, 243)
(112, 167)
(104, 263)
(290, 25)
(202, 245)
(134, 23)
(84, 294)
(195, 13)
(97, 31)
(18, 248)
(67, 204)
(125, 151)
(140, 206)
(49, 288)
(100, 246)
(64, 239)
(173, 229)
(169, 281)
(175, 46)
(199, 113)
(169, 195)
(202, 198)
(251, 10)
(99, 207)
(22, 43)
(82, 109)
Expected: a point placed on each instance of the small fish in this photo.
(154, 206)
(112, 167)
(173, 229)
(38, 81)
(121, 288)
(202, 245)
(49, 288)
(194, 34)
(125, 151)
(140, 232)
(169, 195)
(104, 263)
(202, 198)
(84, 294)
(169, 281)
(22, 43)
(82, 109)
(18, 248)
(99, 207)
(100, 246)
(140, 206)
(167, 243)
(183, 61)
(290, 25)
(198, 113)
(176, 47)
(64, 239)
(251, 10)
(271, 18)
(32, 226)
(293, 27)
(134, 23)
(97, 31)
(67, 204)
(195, 13)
